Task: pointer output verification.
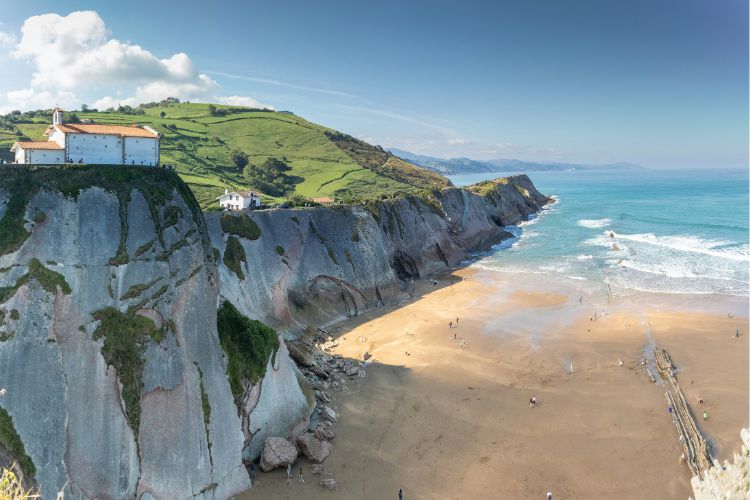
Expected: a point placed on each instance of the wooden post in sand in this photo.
(697, 450)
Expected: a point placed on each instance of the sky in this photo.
(661, 83)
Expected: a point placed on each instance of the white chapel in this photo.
(91, 143)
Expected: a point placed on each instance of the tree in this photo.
(270, 177)
(240, 159)
(84, 107)
(212, 110)
(162, 114)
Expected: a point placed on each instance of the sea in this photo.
(637, 230)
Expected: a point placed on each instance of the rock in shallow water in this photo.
(277, 452)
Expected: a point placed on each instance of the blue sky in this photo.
(663, 83)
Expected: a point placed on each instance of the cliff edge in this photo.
(115, 381)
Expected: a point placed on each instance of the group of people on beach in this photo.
(453, 337)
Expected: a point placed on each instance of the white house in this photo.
(91, 143)
(239, 200)
(38, 152)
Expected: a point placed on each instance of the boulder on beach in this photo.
(329, 483)
(324, 433)
(313, 448)
(277, 452)
(328, 414)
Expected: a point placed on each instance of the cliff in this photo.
(292, 268)
(115, 382)
(728, 481)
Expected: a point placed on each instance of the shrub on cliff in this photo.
(124, 336)
(247, 344)
(10, 439)
(241, 225)
(234, 256)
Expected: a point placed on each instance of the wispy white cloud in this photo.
(278, 83)
(74, 55)
(424, 122)
(7, 39)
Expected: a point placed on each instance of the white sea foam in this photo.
(594, 223)
(584, 257)
(717, 248)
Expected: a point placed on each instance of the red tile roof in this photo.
(132, 131)
(36, 145)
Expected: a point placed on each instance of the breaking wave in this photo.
(594, 223)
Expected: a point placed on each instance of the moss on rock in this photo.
(48, 280)
(247, 343)
(172, 215)
(124, 341)
(234, 256)
(240, 225)
(10, 439)
(23, 182)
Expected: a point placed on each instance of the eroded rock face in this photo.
(69, 410)
(277, 452)
(318, 266)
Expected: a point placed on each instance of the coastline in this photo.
(441, 421)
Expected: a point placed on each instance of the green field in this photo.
(199, 145)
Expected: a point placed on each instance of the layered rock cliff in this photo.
(113, 375)
(292, 268)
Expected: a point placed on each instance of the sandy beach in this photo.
(443, 421)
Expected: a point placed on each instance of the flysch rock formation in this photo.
(730, 481)
(163, 423)
(321, 265)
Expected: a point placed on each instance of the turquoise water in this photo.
(660, 231)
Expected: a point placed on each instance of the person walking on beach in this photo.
(700, 400)
(532, 401)
(400, 494)
(301, 479)
(549, 495)
(705, 415)
(450, 324)
(457, 321)
(737, 333)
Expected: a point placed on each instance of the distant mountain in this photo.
(451, 166)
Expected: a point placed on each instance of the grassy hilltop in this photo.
(199, 139)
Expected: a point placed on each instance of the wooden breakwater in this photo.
(696, 448)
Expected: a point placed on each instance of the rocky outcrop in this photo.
(99, 414)
(313, 448)
(277, 452)
(728, 481)
(113, 372)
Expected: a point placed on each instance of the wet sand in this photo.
(442, 421)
